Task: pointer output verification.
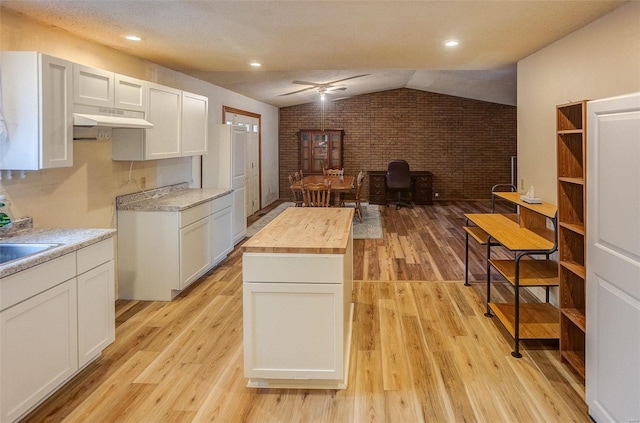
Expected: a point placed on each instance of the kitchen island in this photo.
(297, 293)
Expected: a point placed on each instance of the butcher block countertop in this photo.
(304, 230)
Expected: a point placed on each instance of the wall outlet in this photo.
(437, 195)
(522, 183)
(143, 182)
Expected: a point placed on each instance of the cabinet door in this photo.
(56, 118)
(36, 91)
(221, 234)
(130, 93)
(195, 113)
(96, 312)
(92, 86)
(293, 331)
(38, 348)
(163, 140)
(335, 156)
(195, 251)
(319, 152)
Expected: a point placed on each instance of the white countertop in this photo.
(173, 198)
(70, 240)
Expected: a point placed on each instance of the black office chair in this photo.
(399, 179)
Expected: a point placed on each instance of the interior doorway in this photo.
(233, 116)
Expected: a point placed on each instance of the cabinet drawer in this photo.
(22, 285)
(194, 214)
(222, 203)
(94, 255)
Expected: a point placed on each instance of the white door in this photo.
(254, 165)
(613, 259)
(239, 182)
(252, 157)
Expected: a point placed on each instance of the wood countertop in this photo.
(304, 230)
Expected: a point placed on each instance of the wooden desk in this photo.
(297, 307)
(526, 235)
(421, 187)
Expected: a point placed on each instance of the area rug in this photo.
(369, 228)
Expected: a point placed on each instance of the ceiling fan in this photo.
(322, 88)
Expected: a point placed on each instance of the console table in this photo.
(421, 187)
(526, 235)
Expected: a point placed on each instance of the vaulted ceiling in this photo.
(394, 43)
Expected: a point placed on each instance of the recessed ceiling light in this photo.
(132, 38)
(255, 64)
(451, 43)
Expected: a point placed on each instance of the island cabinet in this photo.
(528, 237)
(297, 300)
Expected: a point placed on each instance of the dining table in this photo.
(339, 184)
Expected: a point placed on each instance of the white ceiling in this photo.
(395, 43)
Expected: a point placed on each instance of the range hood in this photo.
(111, 121)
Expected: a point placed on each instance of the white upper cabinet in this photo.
(165, 105)
(36, 94)
(130, 93)
(180, 127)
(195, 111)
(100, 88)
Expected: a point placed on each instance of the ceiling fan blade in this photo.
(305, 83)
(346, 79)
(332, 89)
(298, 91)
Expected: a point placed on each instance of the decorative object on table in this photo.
(369, 228)
(530, 197)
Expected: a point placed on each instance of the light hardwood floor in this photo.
(422, 351)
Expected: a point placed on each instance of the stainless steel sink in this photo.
(9, 251)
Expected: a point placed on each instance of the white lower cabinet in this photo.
(221, 234)
(39, 348)
(55, 318)
(195, 250)
(160, 253)
(96, 312)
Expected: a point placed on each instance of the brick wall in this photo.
(466, 144)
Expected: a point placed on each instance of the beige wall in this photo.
(83, 195)
(599, 60)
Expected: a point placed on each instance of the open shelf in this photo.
(571, 202)
(571, 247)
(574, 227)
(572, 339)
(537, 320)
(576, 316)
(532, 272)
(574, 268)
(570, 116)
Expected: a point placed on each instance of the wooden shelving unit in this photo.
(320, 149)
(528, 236)
(571, 155)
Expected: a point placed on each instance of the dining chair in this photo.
(317, 195)
(296, 192)
(358, 200)
(333, 172)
